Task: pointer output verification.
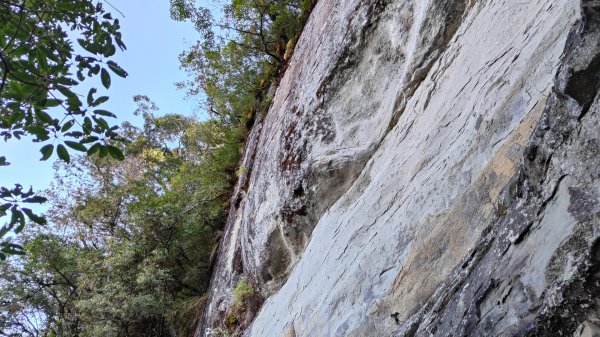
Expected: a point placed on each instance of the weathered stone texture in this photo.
(427, 168)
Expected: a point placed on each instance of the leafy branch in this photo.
(39, 73)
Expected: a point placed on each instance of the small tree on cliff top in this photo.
(242, 47)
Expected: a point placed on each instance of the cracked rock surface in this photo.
(427, 168)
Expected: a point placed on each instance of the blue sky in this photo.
(154, 42)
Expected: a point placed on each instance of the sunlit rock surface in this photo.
(426, 168)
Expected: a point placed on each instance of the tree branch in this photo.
(12, 39)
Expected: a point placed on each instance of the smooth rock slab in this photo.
(427, 168)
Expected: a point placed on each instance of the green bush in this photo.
(242, 290)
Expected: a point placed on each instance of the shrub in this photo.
(243, 290)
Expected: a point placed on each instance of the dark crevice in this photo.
(299, 191)
(523, 233)
(583, 85)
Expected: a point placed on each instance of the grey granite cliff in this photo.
(427, 168)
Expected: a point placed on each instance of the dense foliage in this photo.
(130, 243)
(137, 235)
(241, 53)
(39, 71)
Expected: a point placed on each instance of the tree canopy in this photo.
(136, 236)
(241, 52)
(40, 68)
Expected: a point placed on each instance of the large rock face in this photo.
(427, 168)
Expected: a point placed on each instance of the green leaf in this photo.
(93, 149)
(87, 125)
(3, 208)
(90, 96)
(42, 60)
(3, 161)
(66, 6)
(51, 103)
(21, 75)
(49, 53)
(14, 216)
(40, 132)
(75, 134)
(12, 251)
(66, 81)
(103, 124)
(117, 69)
(115, 152)
(89, 139)
(88, 46)
(63, 154)
(28, 193)
(17, 217)
(105, 77)
(67, 92)
(16, 117)
(75, 146)
(120, 43)
(33, 217)
(19, 228)
(43, 116)
(109, 50)
(35, 200)
(105, 113)
(103, 151)
(47, 151)
(100, 100)
(68, 125)
(12, 248)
